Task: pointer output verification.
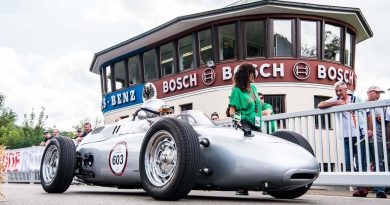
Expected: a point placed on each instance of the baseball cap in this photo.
(375, 88)
(46, 131)
(79, 130)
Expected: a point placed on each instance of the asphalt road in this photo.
(82, 194)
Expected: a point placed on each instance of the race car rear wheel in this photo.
(58, 165)
(294, 138)
(169, 159)
(301, 141)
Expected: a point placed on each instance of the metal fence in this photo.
(324, 129)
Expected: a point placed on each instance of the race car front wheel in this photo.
(169, 159)
(58, 165)
(301, 141)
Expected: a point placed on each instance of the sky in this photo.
(47, 46)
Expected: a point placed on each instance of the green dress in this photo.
(247, 104)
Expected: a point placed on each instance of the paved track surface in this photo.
(82, 194)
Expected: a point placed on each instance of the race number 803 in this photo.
(118, 158)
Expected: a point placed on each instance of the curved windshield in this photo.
(195, 117)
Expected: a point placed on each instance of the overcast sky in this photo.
(46, 47)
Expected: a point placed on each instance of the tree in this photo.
(9, 135)
(332, 45)
(33, 127)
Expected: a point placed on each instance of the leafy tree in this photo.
(332, 45)
(33, 127)
(9, 135)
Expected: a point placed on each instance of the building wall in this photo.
(298, 97)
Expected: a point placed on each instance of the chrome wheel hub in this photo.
(161, 158)
(50, 164)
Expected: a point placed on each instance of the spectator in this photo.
(87, 129)
(387, 123)
(244, 99)
(244, 102)
(228, 50)
(79, 135)
(214, 116)
(56, 133)
(268, 110)
(350, 128)
(47, 138)
(373, 94)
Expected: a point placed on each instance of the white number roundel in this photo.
(118, 158)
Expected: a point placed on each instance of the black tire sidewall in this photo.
(66, 165)
(188, 152)
(295, 138)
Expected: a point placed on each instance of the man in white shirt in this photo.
(351, 128)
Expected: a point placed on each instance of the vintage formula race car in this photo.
(170, 155)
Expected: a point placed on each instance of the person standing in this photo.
(79, 137)
(268, 110)
(245, 102)
(87, 129)
(244, 99)
(373, 94)
(47, 138)
(214, 116)
(350, 129)
(56, 133)
(228, 51)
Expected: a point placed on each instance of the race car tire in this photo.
(294, 138)
(58, 165)
(290, 194)
(301, 141)
(169, 159)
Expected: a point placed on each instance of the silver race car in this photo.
(168, 155)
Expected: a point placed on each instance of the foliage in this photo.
(33, 127)
(30, 133)
(9, 135)
(332, 45)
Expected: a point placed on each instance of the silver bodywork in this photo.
(262, 162)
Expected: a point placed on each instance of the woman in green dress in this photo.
(244, 99)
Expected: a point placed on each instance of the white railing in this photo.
(323, 128)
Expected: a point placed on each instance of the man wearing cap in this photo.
(79, 135)
(373, 94)
(47, 137)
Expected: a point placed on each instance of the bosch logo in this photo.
(208, 76)
(301, 70)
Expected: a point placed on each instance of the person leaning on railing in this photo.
(350, 127)
(373, 94)
(387, 121)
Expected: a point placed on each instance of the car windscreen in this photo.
(195, 117)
